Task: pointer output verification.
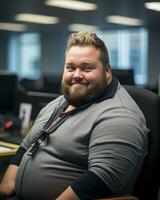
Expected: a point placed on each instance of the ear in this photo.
(108, 72)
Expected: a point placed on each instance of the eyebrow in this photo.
(84, 63)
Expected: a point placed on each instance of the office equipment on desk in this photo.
(30, 84)
(25, 110)
(37, 101)
(51, 83)
(7, 149)
(9, 123)
(15, 138)
(8, 89)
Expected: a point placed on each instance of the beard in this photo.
(80, 93)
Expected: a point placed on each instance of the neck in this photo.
(69, 108)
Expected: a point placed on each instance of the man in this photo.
(88, 143)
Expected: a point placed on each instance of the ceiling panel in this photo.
(130, 8)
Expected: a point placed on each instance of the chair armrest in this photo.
(126, 197)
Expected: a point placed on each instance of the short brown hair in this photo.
(87, 38)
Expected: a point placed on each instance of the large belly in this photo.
(45, 177)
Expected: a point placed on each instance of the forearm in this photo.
(7, 186)
(88, 186)
(68, 194)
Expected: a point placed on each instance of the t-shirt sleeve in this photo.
(16, 160)
(90, 186)
(118, 145)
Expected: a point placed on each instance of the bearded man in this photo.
(88, 143)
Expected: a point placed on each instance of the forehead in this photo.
(83, 52)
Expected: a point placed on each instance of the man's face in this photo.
(84, 77)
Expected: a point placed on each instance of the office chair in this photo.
(125, 76)
(148, 181)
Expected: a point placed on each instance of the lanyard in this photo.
(48, 129)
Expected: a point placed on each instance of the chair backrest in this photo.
(147, 184)
(125, 76)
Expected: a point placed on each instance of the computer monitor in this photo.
(34, 101)
(38, 100)
(8, 89)
(51, 83)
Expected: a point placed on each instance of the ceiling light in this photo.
(12, 27)
(81, 27)
(124, 20)
(72, 4)
(35, 18)
(153, 6)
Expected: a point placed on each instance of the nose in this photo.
(78, 75)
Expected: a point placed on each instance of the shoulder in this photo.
(123, 102)
(120, 115)
(120, 103)
(126, 101)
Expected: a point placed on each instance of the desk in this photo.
(7, 149)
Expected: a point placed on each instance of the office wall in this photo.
(53, 49)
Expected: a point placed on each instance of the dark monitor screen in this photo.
(36, 99)
(8, 89)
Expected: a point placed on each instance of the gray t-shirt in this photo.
(109, 138)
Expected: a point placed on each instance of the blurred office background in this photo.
(33, 36)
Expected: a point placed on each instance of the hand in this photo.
(68, 194)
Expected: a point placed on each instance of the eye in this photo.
(88, 68)
(70, 68)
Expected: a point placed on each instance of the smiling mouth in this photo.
(78, 83)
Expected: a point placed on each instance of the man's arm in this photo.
(87, 186)
(7, 186)
(68, 194)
